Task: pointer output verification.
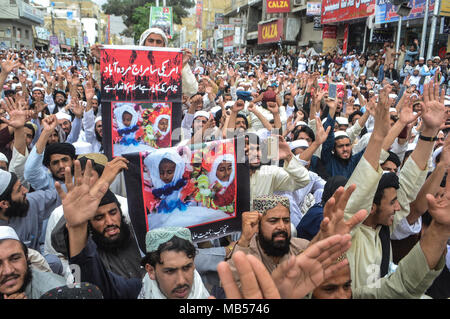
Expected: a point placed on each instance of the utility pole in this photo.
(397, 45)
(433, 29)
(424, 29)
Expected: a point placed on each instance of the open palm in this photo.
(301, 274)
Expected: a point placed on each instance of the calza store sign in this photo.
(270, 32)
(343, 10)
(276, 6)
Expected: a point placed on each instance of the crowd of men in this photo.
(348, 157)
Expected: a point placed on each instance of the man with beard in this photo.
(18, 280)
(59, 102)
(23, 211)
(170, 251)
(55, 240)
(266, 233)
(56, 157)
(93, 125)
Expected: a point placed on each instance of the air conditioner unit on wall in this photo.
(299, 3)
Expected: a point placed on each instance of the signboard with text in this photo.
(270, 32)
(278, 6)
(313, 8)
(386, 12)
(344, 10)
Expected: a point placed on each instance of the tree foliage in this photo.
(135, 13)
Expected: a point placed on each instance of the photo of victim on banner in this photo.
(200, 187)
(138, 127)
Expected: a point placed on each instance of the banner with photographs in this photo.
(141, 98)
(201, 187)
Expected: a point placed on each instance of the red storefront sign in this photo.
(199, 14)
(277, 6)
(345, 44)
(343, 10)
(270, 32)
(228, 41)
(329, 32)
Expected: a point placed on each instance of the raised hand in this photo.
(301, 274)
(113, 168)
(238, 106)
(83, 195)
(9, 64)
(333, 222)
(250, 221)
(187, 55)
(76, 107)
(17, 115)
(321, 133)
(256, 282)
(406, 114)
(284, 150)
(433, 110)
(89, 90)
(273, 107)
(382, 124)
(49, 123)
(439, 208)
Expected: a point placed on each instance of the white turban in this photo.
(3, 157)
(150, 31)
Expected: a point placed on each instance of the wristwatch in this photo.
(427, 138)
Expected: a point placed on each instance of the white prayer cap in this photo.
(95, 97)
(3, 157)
(82, 147)
(446, 102)
(436, 153)
(392, 96)
(301, 123)
(339, 134)
(421, 58)
(63, 116)
(215, 109)
(342, 120)
(201, 113)
(7, 232)
(98, 118)
(5, 179)
(392, 109)
(15, 85)
(229, 104)
(38, 82)
(298, 143)
(150, 31)
(38, 89)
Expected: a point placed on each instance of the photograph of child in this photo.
(140, 126)
(185, 186)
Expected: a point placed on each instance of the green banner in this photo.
(162, 17)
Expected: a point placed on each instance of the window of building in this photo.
(27, 34)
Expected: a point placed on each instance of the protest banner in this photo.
(201, 187)
(162, 17)
(141, 98)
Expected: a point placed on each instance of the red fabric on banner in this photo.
(129, 75)
(270, 32)
(277, 6)
(337, 10)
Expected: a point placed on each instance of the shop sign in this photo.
(329, 32)
(270, 32)
(344, 10)
(445, 8)
(385, 12)
(277, 6)
(313, 8)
